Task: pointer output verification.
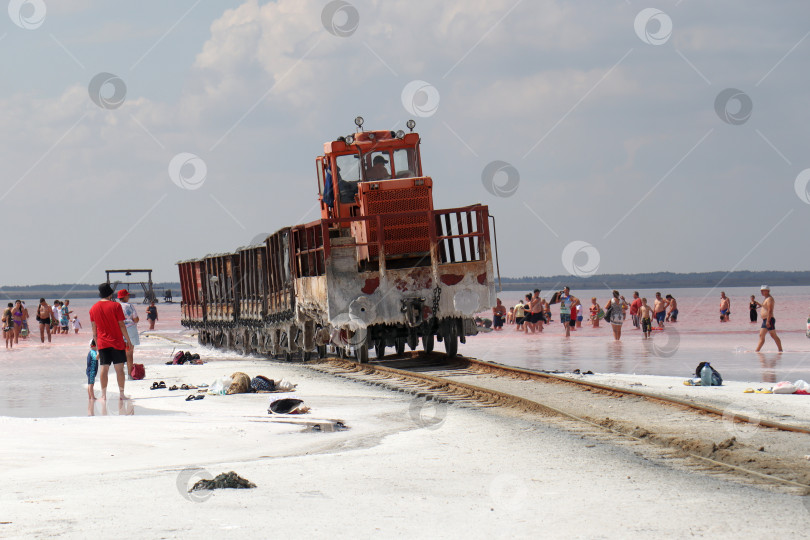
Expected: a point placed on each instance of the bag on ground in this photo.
(138, 372)
(285, 406)
(240, 384)
(717, 379)
(784, 387)
(285, 386)
(802, 385)
(220, 386)
(260, 383)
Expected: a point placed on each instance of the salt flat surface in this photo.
(472, 474)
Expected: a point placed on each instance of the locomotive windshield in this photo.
(387, 164)
(373, 166)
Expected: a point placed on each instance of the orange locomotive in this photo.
(381, 268)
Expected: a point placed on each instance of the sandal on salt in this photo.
(174, 387)
(190, 397)
(154, 386)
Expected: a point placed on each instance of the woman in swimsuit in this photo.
(17, 316)
(8, 326)
(753, 306)
(617, 305)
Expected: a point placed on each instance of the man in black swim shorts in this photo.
(44, 319)
(768, 320)
(110, 335)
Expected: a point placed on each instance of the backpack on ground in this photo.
(717, 379)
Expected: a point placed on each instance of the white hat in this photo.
(764, 288)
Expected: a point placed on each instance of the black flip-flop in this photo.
(174, 387)
(154, 386)
(161, 384)
(199, 396)
(190, 397)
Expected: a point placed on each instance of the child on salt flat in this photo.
(92, 369)
(77, 325)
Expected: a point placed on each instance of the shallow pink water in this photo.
(698, 336)
(49, 380)
(42, 380)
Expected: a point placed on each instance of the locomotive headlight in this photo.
(359, 122)
(410, 124)
(349, 139)
(400, 134)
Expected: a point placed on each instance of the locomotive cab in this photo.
(377, 173)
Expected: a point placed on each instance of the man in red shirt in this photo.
(111, 337)
(635, 306)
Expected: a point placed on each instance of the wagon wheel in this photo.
(413, 340)
(427, 343)
(451, 339)
(379, 348)
(361, 353)
(244, 343)
(399, 344)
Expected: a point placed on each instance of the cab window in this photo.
(348, 173)
(405, 165)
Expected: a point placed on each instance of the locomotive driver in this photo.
(378, 170)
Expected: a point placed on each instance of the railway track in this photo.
(679, 432)
(566, 403)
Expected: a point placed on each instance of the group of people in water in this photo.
(53, 319)
(530, 315)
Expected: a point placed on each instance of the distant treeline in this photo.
(656, 280)
(76, 290)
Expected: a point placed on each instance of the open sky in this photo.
(626, 136)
